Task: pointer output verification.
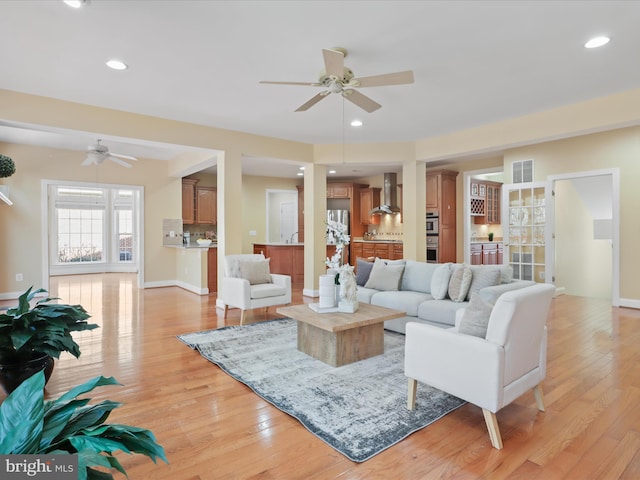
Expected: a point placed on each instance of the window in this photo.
(522, 171)
(93, 229)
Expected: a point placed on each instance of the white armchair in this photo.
(489, 372)
(246, 288)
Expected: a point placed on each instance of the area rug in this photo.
(358, 409)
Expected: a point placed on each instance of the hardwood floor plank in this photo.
(214, 427)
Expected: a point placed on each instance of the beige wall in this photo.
(21, 224)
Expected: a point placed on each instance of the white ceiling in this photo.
(475, 62)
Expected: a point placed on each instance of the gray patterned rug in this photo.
(358, 409)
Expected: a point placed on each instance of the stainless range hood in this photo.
(389, 196)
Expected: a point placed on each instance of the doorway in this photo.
(282, 218)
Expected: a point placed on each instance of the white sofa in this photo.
(413, 294)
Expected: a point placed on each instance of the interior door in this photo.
(287, 221)
(528, 215)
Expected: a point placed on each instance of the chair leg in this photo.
(494, 431)
(242, 317)
(411, 394)
(226, 309)
(537, 392)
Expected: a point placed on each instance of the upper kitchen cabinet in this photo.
(206, 205)
(485, 202)
(339, 190)
(189, 200)
(369, 198)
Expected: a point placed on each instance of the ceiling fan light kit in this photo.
(340, 79)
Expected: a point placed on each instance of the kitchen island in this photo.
(197, 268)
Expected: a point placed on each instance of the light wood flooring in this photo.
(213, 427)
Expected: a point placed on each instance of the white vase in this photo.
(327, 291)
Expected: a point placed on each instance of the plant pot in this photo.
(13, 373)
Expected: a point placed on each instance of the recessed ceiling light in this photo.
(356, 123)
(117, 64)
(301, 168)
(597, 42)
(300, 174)
(76, 3)
(332, 171)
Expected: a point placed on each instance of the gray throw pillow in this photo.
(440, 281)
(385, 277)
(475, 318)
(482, 277)
(459, 283)
(256, 271)
(363, 270)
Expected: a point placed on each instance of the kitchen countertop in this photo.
(280, 244)
(189, 247)
(362, 240)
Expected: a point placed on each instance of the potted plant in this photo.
(30, 337)
(7, 167)
(491, 236)
(67, 425)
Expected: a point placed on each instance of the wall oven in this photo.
(432, 249)
(432, 224)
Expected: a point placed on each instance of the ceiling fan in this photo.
(98, 153)
(340, 79)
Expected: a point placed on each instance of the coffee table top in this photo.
(337, 321)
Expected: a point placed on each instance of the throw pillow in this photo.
(363, 271)
(459, 283)
(482, 277)
(475, 318)
(385, 277)
(440, 281)
(256, 271)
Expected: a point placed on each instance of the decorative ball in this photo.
(7, 167)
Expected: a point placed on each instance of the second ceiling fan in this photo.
(340, 79)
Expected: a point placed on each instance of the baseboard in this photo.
(629, 303)
(177, 283)
(308, 292)
(560, 291)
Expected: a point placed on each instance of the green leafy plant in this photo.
(491, 236)
(31, 425)
(46, 328)
(7, 167)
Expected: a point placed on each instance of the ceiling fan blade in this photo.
(398, 78)
(312, 102)
(361, 100)
(306, 84)
(126, 157)
(119, 162)
(87, 161)
(333, 62)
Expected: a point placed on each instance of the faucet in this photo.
(292, 235)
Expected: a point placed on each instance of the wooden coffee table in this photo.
(341, 338)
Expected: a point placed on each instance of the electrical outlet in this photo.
(252, 233)
(19, 277)
(541, 275)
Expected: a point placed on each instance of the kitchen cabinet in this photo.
(189, 201)
(285, 260)
(441, 199)
(476, 254)
(331, 251)
(369, 198)
(339, 190)
(206, 205)
(489, 253)
(212, 270)
(485, 206)
(389, 250)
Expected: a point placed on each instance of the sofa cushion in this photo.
(402, 300)
(476, 317)
(267, 290)
(483, 276)
(384, 276)
(363, 270)
(491, 294)
(417, 276)
(440, 281)
(256, 271)
(460, 282)
(364, 294)
(440, 311)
